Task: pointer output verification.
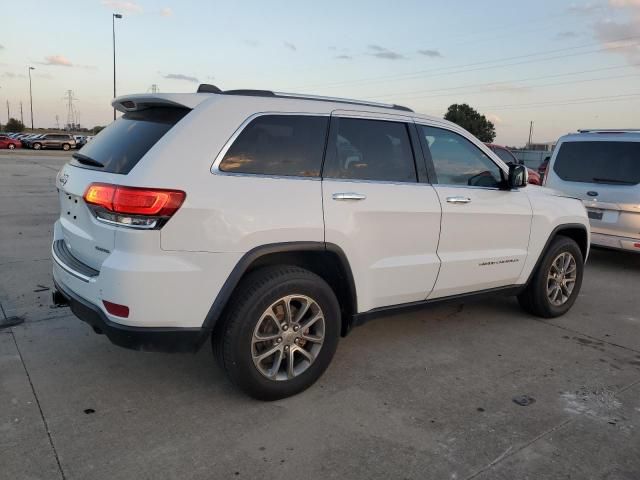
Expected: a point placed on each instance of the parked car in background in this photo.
(542, 169)
(315, 215)
(507, 157)
(8, 142)
(602, 168)
(26, 139)
(81, 140)
(62, 141)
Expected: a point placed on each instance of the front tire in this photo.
(65, 146)
(279, 333)
(37, 146)
(556, 283)
(11, 146)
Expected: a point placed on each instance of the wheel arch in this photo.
(324, 259)
(576, 231)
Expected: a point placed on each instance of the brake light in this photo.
(133, 206)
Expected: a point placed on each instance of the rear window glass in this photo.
(121, 145)
(616, 163)
(281, 145)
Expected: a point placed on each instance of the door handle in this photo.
(458, 200)
(349, 196)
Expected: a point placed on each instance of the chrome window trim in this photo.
(215, 167)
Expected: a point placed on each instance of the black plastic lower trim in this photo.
(148, 339)
(361, 318)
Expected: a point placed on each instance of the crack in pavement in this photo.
(44, 420)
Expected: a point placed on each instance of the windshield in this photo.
(616, 163)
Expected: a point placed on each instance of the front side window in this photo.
(374, 150)
(282, 145)
(615, 163)
(457, 161)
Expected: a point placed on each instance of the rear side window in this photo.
(282, 145)
(505, 155)
(120, 146)
(374, 150)
(616, 163)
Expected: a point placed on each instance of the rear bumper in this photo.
(612, 241)
(160, 339)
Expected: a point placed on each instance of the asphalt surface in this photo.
(416, 396)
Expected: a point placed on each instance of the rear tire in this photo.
(37, 146)
(549, 293)
(286, 310)
(65, 146)
(11, 146)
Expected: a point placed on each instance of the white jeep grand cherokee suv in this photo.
(274, 223)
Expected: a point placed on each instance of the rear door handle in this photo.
(348, 196)
(458, 200)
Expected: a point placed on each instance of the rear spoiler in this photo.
(132, 103)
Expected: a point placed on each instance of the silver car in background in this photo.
(602, 168)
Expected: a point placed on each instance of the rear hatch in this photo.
(606, 176)
(108, 158)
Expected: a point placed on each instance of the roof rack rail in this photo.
(608, 130)
(206, 88)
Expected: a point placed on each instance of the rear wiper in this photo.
(87, 160)
(613, 180)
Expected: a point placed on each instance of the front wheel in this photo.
(280, 332)
(11, 146)
(37, 146)
(556, 283)
(65, 147)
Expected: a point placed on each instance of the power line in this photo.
(463, 69)
(490, 84)
(570, 101)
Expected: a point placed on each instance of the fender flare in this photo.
(242, 266)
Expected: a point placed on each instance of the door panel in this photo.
(483, 243)
(390, 238)
(386, 222)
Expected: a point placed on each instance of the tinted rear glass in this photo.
(616, 163)
(282, 145)
(121, 145)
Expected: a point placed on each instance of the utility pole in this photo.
(71, 117)
(154, 88)
(530, 133)
(57, 123)
(21, 117)
(8, 112)
(31, 96)
(113, 26)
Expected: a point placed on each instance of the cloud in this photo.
(59, 60)
(584, 8)
(1, 47)
(343, 57)
(507, 88)
(122, 6)
(166, 12)
(180, 76)
(567, 34)
(620, 38)
(493, 118)
(12, 75)
(290, 46)
(251, 43)
(625, 3)
(333, 48)
(384, 53)
(430, 53)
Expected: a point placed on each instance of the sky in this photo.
(564, 65)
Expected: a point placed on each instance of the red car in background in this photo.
(10, 143)
(507, 157)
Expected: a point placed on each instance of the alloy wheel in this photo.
(561, 278)
(288, 337)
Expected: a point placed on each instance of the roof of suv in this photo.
(134, 102)
(602, 135)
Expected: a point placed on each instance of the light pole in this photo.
(31, 96)
(113, 27)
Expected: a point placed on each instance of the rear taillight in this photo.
(132, 206)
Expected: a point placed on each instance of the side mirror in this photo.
(518, 176)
